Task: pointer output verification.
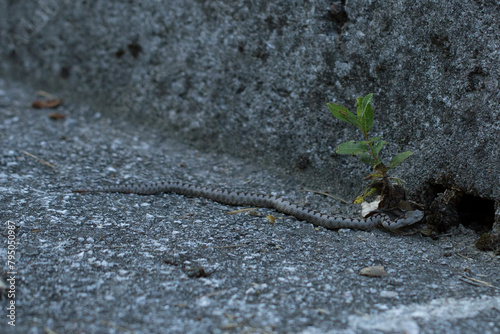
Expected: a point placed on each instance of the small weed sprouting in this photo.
(368, 150)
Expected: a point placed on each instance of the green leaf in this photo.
(399, 158)
(359, 102)
(365, 112)
(397, 180)
(367, 158)
(378, 146)
(342, 113)
(366, 122)
(352, 147)
(374, 176)
(362, 103)
(360, 199)
(373, 139)
(376, 163)
(370, 191)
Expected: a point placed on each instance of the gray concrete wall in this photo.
(252, 78)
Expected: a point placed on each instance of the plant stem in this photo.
(370, 146)
(380, 167)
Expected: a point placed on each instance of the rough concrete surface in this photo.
(252, 78)
(263, 71)
(116, 263)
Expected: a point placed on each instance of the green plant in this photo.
(369, 149)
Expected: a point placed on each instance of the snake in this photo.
(280, 204)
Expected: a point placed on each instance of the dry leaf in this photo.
(55, 116)
(41, 104)
(271, 219)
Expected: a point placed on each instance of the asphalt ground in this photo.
(116, 263)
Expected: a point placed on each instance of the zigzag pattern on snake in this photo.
(265, 201)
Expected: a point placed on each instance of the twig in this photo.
(120, 328)
(45, 94)
(39, 159)
(471, 280)
(239, 211)
(215, 293)
(327, 194)
(465, 257)
(228, 246)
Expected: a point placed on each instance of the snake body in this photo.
(265, 201)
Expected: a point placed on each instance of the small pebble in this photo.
(375, 271)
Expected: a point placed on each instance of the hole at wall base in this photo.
(476, 213)
(448, 207)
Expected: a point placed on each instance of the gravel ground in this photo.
(115, 263)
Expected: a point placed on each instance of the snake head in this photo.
(408, 218)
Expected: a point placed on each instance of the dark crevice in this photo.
(476, 213)
(337, 15)
(135, 49)
(449, 206)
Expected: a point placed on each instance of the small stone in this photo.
(388, 294)
(374, 271)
